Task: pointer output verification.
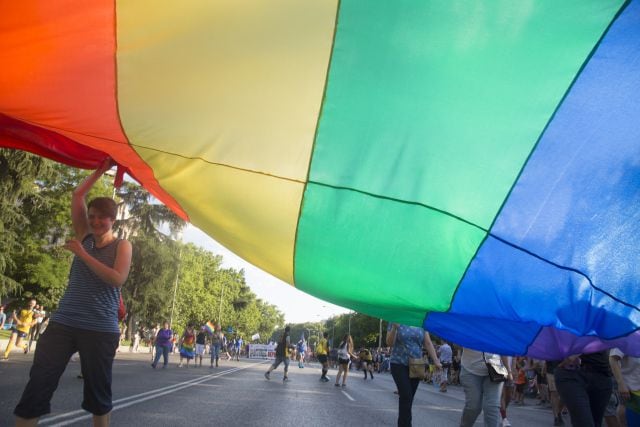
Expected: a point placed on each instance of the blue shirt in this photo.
(409, 343)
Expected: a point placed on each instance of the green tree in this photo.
(18, 172)
(148, 291)
(270, 319)
(144, 216)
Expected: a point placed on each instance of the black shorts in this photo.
(322, 358)
(55, 347)
(343, 361)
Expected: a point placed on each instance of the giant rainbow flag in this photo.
(473, 167)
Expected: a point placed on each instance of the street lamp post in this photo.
(333, 331)
(175, 289)
(220, 307)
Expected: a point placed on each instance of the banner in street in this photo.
(262, 351)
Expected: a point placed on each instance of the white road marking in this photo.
(349, 397)
(139, 398)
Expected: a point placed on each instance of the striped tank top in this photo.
(89, 302)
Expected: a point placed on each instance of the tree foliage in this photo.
(365, 330)
(18, 173)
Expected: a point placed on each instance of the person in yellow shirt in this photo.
(322, 351)
(366, 362)
(22, 323)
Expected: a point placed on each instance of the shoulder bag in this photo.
(498, 373)
(417, 367)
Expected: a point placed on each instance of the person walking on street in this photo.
(216, 343)
(345, 353)
(445, 354)
(366, 362)
(163, 345)
(282, 355)
(480, 393)
(626, 370)
(406, 343)
(322, 351)
(301, 347)
(238, 346)
(3, 317)
(34, 334)
(585, 385)
(201, 342)
(187, 345)
(22, 324)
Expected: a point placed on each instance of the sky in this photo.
(296, 306)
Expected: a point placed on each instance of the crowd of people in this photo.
(583, 390)
(587, 388)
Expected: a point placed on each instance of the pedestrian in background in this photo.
(585, 385)
(445, 354)
(163, 344)
(407, 342)
(3, 317)
(38, 314)
(187, 345)
(345, 353)
(626, 370)
(480, 393)
(201, 341)
(322, 352)
(282, 355)
(21, 327)
(216, 343)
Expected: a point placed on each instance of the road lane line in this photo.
(349, 397)
(152, 394)
(124, 399)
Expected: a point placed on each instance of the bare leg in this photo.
(338, 374)
(23, 422)
(102, 420)
(12, 342)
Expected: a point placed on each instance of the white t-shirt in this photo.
(473, 361)
(630, 369)
(445, 353)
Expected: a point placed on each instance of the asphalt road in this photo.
(237, 394)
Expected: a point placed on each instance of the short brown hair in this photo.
(105, 206)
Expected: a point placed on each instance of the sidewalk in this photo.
(122, 349)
